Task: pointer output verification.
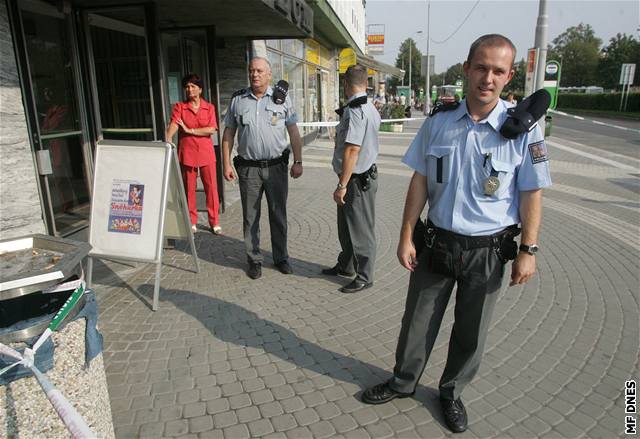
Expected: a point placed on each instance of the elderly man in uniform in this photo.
(262, 161)
(480, 186)
(354, 159)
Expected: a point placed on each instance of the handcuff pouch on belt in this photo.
(366, 177)
(440, 254)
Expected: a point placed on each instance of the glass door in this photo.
(120, 74)
(184, 52)
(57, 124)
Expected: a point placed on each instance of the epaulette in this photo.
(443, 107)
(238, 92)
(357, 102)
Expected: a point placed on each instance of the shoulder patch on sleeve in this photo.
(538, 152)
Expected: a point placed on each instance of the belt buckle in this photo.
(264, 163)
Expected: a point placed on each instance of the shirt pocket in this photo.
(245, 118)
(439, 161)
(276, 114)
(505, 172)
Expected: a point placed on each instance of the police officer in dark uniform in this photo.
(354, 157)
(480, 187)
(262, 122)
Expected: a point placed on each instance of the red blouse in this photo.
(195, 150)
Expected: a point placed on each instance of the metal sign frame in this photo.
(156, 213)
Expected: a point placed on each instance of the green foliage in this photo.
(402, 62)
(397, 112)
(579, 51)
(622, 49)
(599, 101)
(516, 86)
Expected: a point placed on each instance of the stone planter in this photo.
(396, 127)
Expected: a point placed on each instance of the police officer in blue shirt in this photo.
(480, 186)
(262, 162)
(354, 159)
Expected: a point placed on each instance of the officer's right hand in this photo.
(407, 255)
(228, 174)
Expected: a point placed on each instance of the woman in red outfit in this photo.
(195, 121)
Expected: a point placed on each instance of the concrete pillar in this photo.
(20, 208)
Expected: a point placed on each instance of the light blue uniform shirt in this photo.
(470, 153)
(261, 124)
(358, 126)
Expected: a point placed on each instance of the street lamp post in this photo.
(541, 45)
(427, 82)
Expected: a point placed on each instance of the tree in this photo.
(578, 49)
(622, 49)
(454, 73)
(402, 62)
(516, 85)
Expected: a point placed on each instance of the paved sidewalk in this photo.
(288, 356)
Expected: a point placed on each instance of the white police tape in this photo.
(74, 422)
(597, 122)
(334, 123)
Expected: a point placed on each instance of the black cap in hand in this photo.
(280, 91)
(522, 117)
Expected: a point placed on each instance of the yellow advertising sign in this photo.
(346, 59)
(312, 52)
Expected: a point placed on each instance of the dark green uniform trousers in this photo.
(356, 230)
(273, 182)
(478, 279)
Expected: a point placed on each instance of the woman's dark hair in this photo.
(192, 78)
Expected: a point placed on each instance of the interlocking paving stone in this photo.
(289, 355)
(200, 424)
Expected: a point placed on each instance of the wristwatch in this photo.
(297, 162)
(531, 249)
(341, 186)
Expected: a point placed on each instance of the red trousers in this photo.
(208, 177)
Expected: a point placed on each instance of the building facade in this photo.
(75, 72)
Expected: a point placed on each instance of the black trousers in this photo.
(478, 281)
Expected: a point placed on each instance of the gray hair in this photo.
(263, 59)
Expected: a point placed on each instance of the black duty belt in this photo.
(239, 161)
(469, 242)
(372, 170)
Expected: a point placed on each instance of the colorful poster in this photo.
(125, 212)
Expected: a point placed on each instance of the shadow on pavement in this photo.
(230, 252)
(231, 323)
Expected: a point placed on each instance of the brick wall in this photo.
(20, 210)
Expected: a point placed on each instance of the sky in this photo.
(515, 19)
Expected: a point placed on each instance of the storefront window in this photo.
(293, 47)
(312, 113)
(275, 44)
(294, 75)
(276, 66)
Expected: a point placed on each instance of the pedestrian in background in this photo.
(262, 162)
(354, 157)
(195, 121)
(479, 186)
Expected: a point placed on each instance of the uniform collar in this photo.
(355, 96)
(494, 118)
(269, 92)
